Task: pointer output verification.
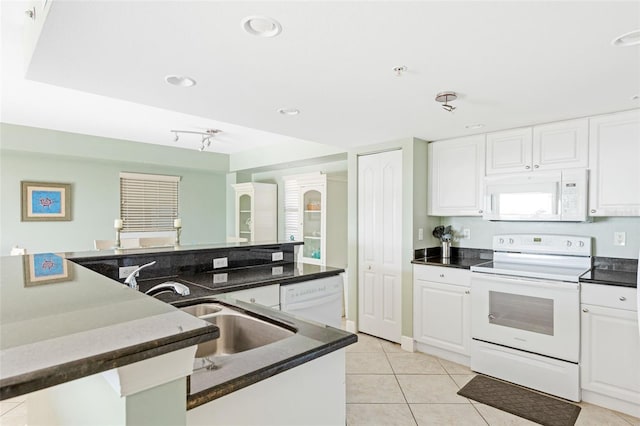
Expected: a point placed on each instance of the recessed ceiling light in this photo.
(261, 26)
(180, 80)
(628, 39)
(289, 111)
(474, 126)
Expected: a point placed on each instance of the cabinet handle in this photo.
(480, 211)
(622, 298)
(593, 210)
(536, 166)
(252, 300)
(467, 292)
(441, 275)
(527, 167)
(585, 310)
(369, 267)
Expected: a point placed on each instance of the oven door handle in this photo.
(531, 282)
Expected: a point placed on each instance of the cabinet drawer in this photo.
(610, 296)
(268, 295)
(442, 274)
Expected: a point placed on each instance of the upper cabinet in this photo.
(614, 147)
(256, 211)
(456, 170)
(560, 145)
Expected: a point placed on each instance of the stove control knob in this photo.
(580, 243)
(569, 244)
(510, 240)
(501, 241)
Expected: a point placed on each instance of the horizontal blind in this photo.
(148, 202)
(291, 209)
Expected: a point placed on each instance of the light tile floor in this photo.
(388, 386)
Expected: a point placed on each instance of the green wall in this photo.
(92, 165)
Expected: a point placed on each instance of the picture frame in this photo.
(46, 268)
(45, 201)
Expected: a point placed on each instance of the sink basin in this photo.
(239, 332)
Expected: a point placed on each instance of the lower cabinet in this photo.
(268, 295)
(610, 360)
(442, 312)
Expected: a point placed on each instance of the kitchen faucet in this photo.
(131, 279)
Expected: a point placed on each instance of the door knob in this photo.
(622, 298)
(585, 310)
(491, 316)
(369, 267)
(527, 167)
(252, 300)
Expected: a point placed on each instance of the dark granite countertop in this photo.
(310, 341)
(60, 321)
(211, 283)
(609, 277)
(453, 262)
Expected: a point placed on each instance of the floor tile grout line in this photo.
(400, 387)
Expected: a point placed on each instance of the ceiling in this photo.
(99, 68)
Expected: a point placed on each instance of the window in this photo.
(291, 209)
(148, 203)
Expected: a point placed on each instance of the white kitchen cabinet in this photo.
(610, 360)
(321, 217)
(268, 295)
(560, 145)
(614, 163)
(456, 171)
(256, 211)
(442, 311)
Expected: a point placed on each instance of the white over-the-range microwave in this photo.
(557, 195)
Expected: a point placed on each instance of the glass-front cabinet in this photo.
(313, 223)
(256, 212)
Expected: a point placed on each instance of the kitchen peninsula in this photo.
(87, 349)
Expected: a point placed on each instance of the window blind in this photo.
(148, 202)
(291, 209)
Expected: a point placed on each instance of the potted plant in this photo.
(444, 234)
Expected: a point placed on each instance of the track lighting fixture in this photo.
(207, 135)
(444, 98)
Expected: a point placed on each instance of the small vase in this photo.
(446, 249)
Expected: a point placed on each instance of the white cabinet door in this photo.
(256, 211)
(610, 362)
(313, 226)
(614, 163)
(456, 171)
(509, 151)
(561, 145)
(380, 244)
(442, 316)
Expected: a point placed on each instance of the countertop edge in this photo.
(62, 373)
(238, 383)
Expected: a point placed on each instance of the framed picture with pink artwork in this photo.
(46, 201)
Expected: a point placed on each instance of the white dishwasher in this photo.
(318, 300)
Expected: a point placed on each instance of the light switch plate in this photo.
(125, 271)
(220, 262)
(466, 233)
(275, 256)
(420, 234)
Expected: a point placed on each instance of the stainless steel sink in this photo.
(239, 332)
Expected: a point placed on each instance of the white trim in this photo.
(407, 344)
(146, 176)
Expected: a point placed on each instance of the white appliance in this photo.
(638, 292)
(318, 300)
(525, 311)
(557, 195)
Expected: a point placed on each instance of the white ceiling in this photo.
(513, 63)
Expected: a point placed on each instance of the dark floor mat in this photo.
(522, 402)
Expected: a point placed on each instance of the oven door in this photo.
(537, 316)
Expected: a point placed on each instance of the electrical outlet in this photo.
(466, 234)
(277, 270)
(420, 234)
(125, 271)
(220, 278)
(220, 262)
(619, 238)
(275, 256)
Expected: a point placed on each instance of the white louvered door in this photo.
(380, 244)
